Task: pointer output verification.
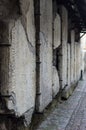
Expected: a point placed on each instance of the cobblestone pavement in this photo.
(70, 114)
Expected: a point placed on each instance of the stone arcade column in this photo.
(78, 55)
(68, 66)
(78, 61)
(43, 15)
(63, 48)
(17, 63)
(72, 56)
(57, 43)
(75, 59)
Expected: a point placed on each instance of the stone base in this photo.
(68, 91)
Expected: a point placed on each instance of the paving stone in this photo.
(70, 114)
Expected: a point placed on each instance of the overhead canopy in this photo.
(81, 4)
(77, 12)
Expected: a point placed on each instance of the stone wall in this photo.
(17, 68)
(78, 61)
(63, 49)
(56, 44)
(36, 59)
(72, 55)
(68, 66)
(44, 93)
(84, 59)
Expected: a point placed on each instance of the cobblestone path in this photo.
(70, 114)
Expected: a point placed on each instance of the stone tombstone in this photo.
(44, 94)
(57, 42)
(17, 60)
(63, 50)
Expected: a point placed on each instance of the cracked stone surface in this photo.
(70, 114)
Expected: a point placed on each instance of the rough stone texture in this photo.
(64, 44)
(78, 61)
(4, 68)
(18, 66)
(57, 42)
(73, 66)
(63, 59)
(83, 52)
(70, 114)
(72, 55)
(75, 58)
(24, 6)
(56, 85)
(67, 91)
(57, 31)
(59, 63)
(68, 65)
(45, 36)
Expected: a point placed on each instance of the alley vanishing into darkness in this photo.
(69, 114)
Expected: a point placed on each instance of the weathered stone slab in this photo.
(68, 64)
(57, 31)
(18, 65)
(75, 58)
(56, 44)
(45, 37)
(78, 63)
(72, 55)
(56, 85)
(63, 50)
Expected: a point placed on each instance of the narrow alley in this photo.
(42, 63)
(69, 114)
